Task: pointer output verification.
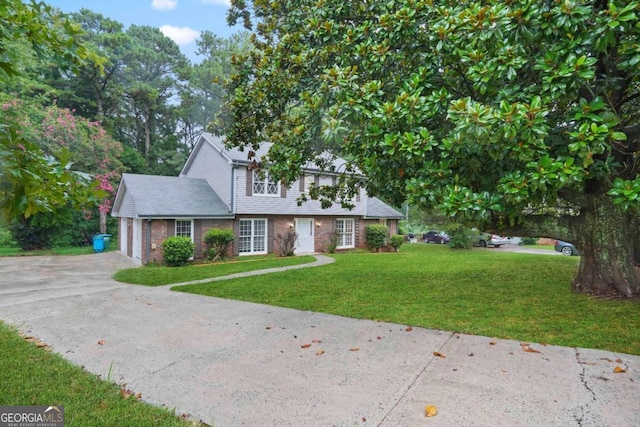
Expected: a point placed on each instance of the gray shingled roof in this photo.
(236, 155)
(376, 208)
(167, 196)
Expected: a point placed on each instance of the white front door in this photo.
(304, 236)
(136, 249)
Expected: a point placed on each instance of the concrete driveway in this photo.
(231, 363)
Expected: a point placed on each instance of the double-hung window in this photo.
(184, 227)
(263, 185)
(253, 236)
(345, 233)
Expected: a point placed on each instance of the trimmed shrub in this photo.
(177, 250)
(376, 235)
(396, 241)
(218, 241)
(285, 243)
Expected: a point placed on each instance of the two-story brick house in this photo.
(216, 188)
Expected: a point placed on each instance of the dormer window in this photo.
(263, 185)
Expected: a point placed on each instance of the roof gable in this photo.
(166, 196)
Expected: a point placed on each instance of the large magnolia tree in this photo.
(519, 115)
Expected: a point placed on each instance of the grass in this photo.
(32, 376)
(483, 292)
(545, 247)
(71, 250)
(157, 275)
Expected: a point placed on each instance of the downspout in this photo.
(148, 240)
(233, 194)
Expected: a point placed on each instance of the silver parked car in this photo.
(486, 239)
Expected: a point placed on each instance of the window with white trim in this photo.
(263, 185)
(308, 180)
(184, 227)
(252, 237)
(345, 231)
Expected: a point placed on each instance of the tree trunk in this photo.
(147, 133)
(605, 236)
(103, 222)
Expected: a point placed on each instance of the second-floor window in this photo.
(263, 185)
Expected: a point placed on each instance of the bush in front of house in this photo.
(218, 241)
(286, 243)
(333, 242)
(376, 235)
(177, 250)
(396, 241)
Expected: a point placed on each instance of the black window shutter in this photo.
(249, 182)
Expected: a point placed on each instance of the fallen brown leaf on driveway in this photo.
(319, 352)
(101, 342)
(409, 329)
(619, 370)
(354, 349)
(430, 411)
(438, 354)
(526, 347)
(305, 345)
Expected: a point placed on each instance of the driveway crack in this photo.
(583, 409)
(415, 380)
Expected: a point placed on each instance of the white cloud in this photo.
(222, 2)
(180, 35)
(164, 4)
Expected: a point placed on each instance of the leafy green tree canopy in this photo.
(30, 181)
(50, 34)
(518, 115)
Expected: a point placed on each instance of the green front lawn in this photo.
(481, 291)
(32, 376)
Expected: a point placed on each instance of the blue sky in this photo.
(181, 20)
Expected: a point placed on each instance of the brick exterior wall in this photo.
(277, 224)
(159, 228)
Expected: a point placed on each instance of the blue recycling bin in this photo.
(98, 243)
(101, 242)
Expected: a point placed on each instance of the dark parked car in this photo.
(435, 237)
(565, 248)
